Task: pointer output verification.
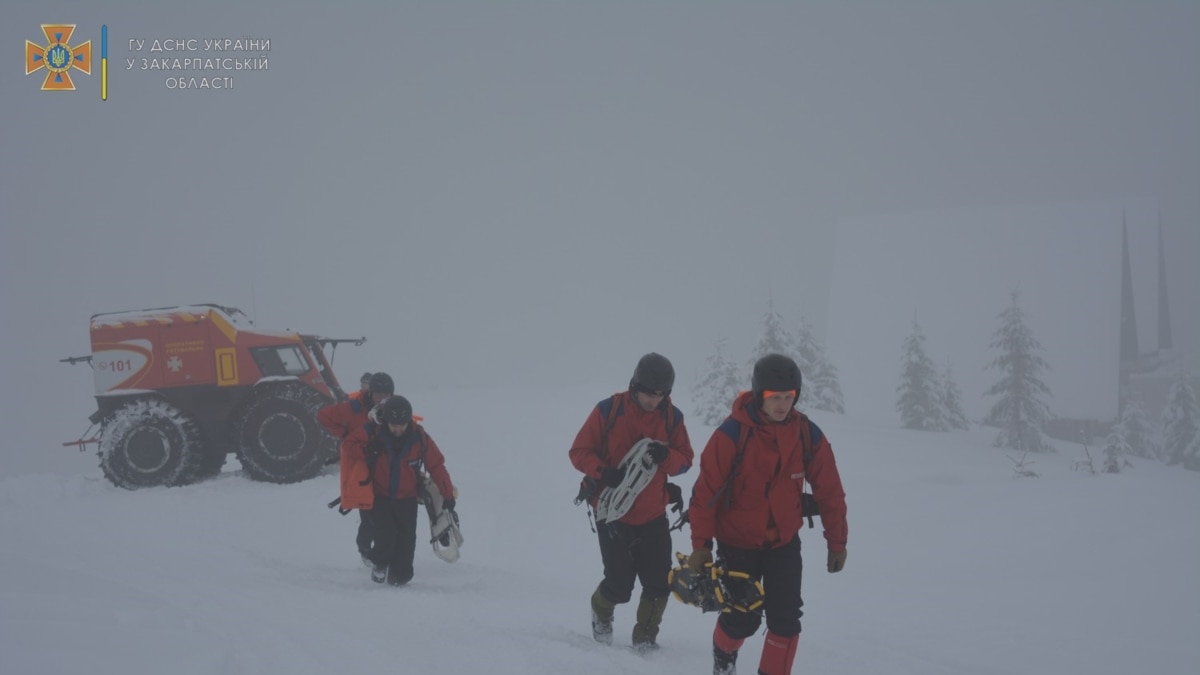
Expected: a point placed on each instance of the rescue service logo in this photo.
(58, 57)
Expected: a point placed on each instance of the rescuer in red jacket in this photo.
(384, 462)
(637, 547)
(752, 506)
(344, 417)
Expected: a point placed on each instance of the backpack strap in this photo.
(615, 408)
(743, 437)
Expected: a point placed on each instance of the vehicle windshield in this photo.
(283, 360)
(323, 367)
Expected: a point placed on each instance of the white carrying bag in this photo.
(639, 466)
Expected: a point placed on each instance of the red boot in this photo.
(725, 651)
(777, 654)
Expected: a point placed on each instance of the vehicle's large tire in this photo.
(277, 434)
(148, 442)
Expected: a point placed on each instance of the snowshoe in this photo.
(639, 468)
(444, 534)
(716, 589)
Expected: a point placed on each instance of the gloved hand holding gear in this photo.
(448, 503)
(675, 497)
(699, 558)
(837, 560)
(612, 477)
(658, 451)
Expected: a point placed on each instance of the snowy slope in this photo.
(954, 566)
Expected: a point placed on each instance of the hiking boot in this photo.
(602, 618)
(378, 574)
(724, 663)
(649, 617)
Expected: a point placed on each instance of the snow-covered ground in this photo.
(954, 566)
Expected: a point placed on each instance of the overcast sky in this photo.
(522, 193)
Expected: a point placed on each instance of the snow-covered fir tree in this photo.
(1019, 412)
(1135, 428)
(1116, 449)
(821, 389)
(919, 394)
(718, 385)
(951, 401)
(1181, 426)
(777, 339)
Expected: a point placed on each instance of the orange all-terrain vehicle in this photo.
(179, 388)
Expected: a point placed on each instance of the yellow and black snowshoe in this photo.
(715, 589)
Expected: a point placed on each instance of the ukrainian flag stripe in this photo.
(104, 62)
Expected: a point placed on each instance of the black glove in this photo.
(675, 497)
(658, 451)
(612, 477)
(448, 503)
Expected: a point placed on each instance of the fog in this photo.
(535, 194)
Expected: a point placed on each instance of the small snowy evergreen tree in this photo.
(1115, 452)
(1135, 428)
(919, 390)
(1181, 426)
(775, 339)
(1019, 412)
(718, 386)
(821, 389)
(951, 402)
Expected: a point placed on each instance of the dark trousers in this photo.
(394, 524)
(629, 552)
(780, 570)
(366, 532)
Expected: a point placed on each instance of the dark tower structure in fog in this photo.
(1144, 375)
(1129, 338)
(1164, 311)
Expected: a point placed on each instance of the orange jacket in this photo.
(342, 418)
(761, 507)
(392, 464)
(631, 425)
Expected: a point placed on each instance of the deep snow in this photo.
(954, 565)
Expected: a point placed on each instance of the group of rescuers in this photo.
(748, 497)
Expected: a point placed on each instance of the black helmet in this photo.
(382, 383)
(775, 372)
(365, 379)
(653, 375)
(395, 410)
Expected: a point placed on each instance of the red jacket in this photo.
(761, 507)
(631, 425)
(396, 461)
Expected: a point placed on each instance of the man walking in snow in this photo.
(636, 546)
(340, 419)
(749, 498)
